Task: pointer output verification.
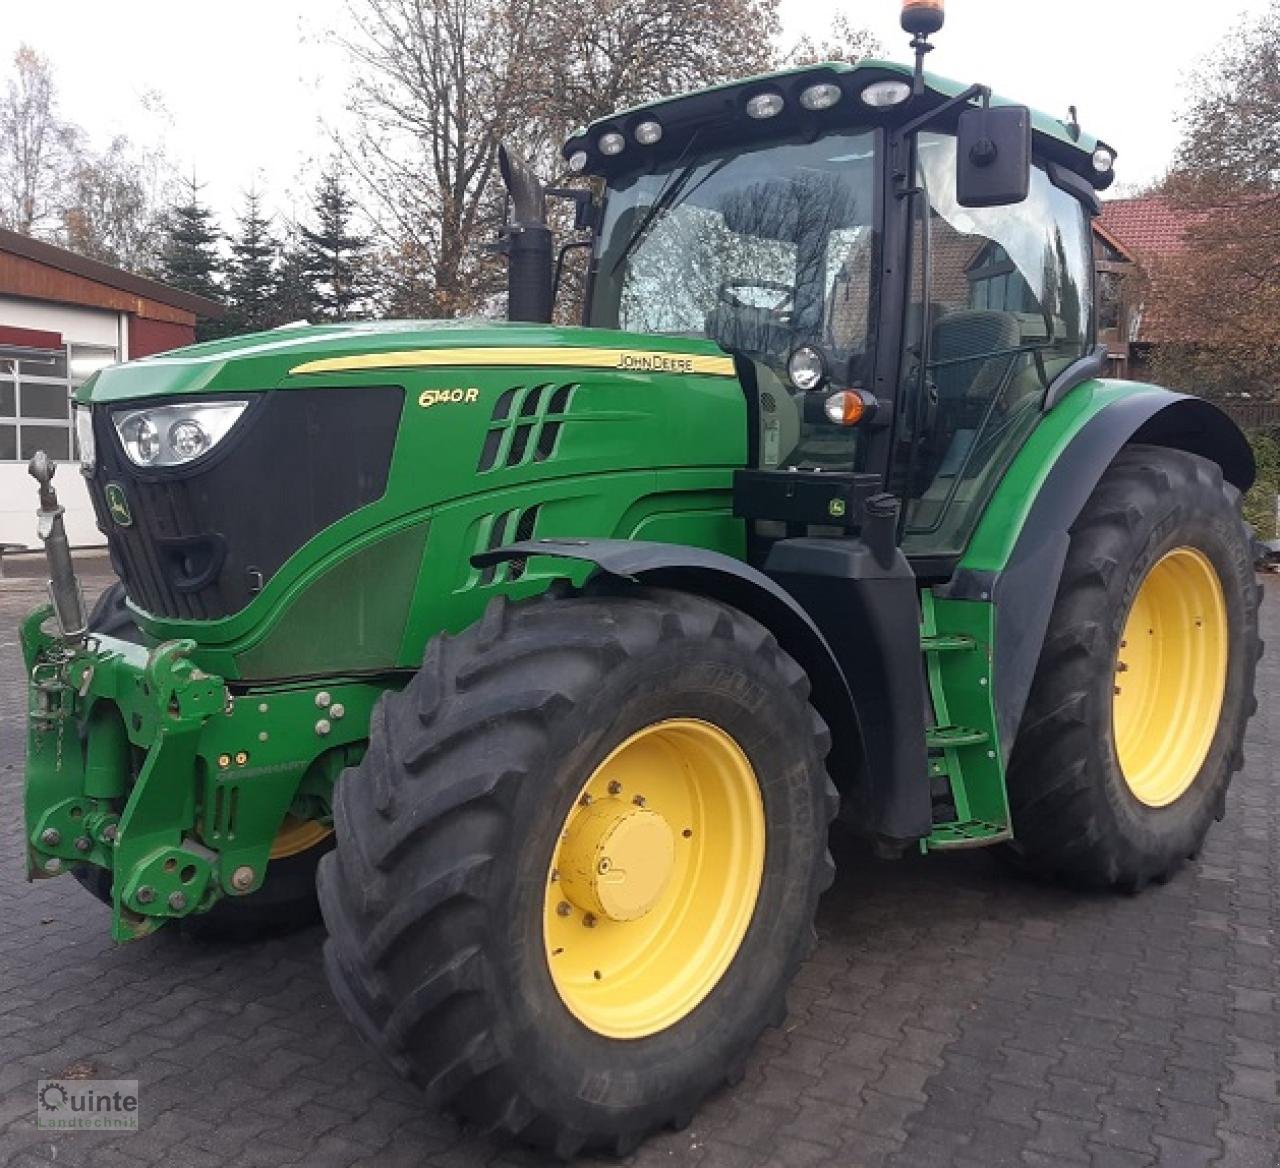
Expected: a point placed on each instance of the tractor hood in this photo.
(309, 356)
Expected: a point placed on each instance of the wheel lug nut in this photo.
(589, 921)
(563, 909)
(50, 837)
(585, 800)
(615, 787)
(83, 843)
(555, 875)
(638, 800)
(604, 865)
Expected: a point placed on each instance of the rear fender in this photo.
(1016, 556)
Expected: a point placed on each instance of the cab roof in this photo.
(716, 117)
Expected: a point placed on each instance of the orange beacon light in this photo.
(922, 17)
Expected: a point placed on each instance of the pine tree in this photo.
(189, 257)
(337, 258)
(295, 295)
(251, 276)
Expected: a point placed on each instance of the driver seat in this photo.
(971, 358)
(970, 352)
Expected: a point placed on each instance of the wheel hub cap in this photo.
(617, 859)
(1171, 674)
(654, 878)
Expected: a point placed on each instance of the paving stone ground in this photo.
(953, 1014)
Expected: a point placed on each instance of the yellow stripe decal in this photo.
(626, 360)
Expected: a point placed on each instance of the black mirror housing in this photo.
(993, 156)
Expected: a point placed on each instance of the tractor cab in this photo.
(900, 266)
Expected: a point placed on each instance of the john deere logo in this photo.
(836, 509)
(118, 505)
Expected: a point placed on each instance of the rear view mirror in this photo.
(993, 156)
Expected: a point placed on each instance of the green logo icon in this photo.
(836, 508)
(118, 505)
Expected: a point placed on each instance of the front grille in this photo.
(204, 539)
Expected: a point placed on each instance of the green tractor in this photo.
(554, 651)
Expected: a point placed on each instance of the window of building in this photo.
(35, 399)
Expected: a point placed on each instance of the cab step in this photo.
(948, 643)
(966, 767)
(952, 737)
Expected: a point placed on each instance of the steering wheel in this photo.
(779, 310)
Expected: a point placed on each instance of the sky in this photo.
(250, 90)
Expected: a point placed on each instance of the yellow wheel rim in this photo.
(297, 835)
(655, 878)
(1171, 676)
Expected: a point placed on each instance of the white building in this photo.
(62, 316)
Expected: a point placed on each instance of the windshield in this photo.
(759, 250)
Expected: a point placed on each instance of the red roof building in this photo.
(1132, 238)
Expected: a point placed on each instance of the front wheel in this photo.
(1136, 717)
(578, 865)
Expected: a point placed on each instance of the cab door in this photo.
(1001, 303)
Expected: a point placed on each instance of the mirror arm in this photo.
(584, 207)
(961, 99)
(565, 248)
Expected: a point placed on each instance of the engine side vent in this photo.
(507, 527)
(525, 426)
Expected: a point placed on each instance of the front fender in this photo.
(721, 577)
(1016, 556)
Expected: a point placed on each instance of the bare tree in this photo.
(444, 84)
(111, 204)
(35, 144)
(604, 55)
(1217, 299)
(842, 41)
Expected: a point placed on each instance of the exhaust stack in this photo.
(527, 242)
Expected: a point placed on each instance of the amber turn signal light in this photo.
(922, 17)
(845, 408)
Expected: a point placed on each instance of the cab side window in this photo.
(1008, 306)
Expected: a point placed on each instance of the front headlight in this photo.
(84, 439)
(172, 435)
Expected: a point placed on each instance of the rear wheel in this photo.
(578, 865)
(1136, 717)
